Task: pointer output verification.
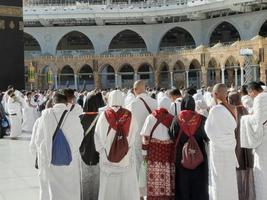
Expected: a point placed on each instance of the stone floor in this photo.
(18, 177)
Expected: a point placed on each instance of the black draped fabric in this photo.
(190, 184)
(90, 168)
(80, 100)
(2, 117)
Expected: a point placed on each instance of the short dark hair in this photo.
(244, 89)
(59, 98)
(255, 86)
(175, 92)
(191, 91)
(69, 93)
(28, 93)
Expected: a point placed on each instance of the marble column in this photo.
(263, 72)
(218, 76)
(204, 76)
(187, 78)
(223, 76)
(116, 80)
(97, 80)
(157, 78)
(171, 74)
(236, 78)
(254, 73)
(76, 81)
(242, 76)
(135, 76)
(55, 80)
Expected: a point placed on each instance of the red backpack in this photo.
(120, 122)
(192, 155)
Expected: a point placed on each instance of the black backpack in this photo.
(87, 149)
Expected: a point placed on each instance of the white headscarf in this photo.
(116, 98)
(164, 102)
(202, 108)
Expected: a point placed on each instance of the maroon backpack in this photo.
(192, 155)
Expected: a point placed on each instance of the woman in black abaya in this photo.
(90, 158)
(190, 184)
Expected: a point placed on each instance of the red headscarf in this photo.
(189, 121)
(163, 115)
(119, 120)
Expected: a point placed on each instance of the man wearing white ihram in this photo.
(63, 181)
(141, 107)
(220, 128)
(254, 136)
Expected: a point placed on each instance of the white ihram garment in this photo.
(220, 127)
(44, 189)
(30, 115)
(254, 135)
(118, 181)
(140, 113)
(15, 117)
(63, 181)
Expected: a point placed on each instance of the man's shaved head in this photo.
(220, 92)
(139, 87)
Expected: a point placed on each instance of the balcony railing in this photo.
(176, 48)
(31, 54)
(130, 51)
(75, 53)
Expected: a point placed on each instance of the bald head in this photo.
(139, 87)
(220, 92)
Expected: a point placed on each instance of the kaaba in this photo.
(11, 44)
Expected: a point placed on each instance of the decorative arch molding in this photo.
(65, 33)
(35, 37)
(163, 65)
(127, 29)
(83, 67)
(103, 66)
(213, 61)
(213, 27)
(180, 64)
(179, 28)
(124, 65)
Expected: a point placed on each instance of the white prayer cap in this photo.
(201, 107)
(198, 96)
(116, 98)
(161, 95)
(164, 102)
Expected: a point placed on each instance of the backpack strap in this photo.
(230, 110)
(92, 125)
(175, 106)
(147, 107)
(154, 128)
(60, 122)
(72, 107)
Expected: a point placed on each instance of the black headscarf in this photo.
(188, 103)
(92, 104)
(87, 149)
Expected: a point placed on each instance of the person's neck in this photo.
(224, 101)
(140, 93)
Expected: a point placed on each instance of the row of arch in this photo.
(176, 37)
(180, 74)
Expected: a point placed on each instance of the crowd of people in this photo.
(144, 143)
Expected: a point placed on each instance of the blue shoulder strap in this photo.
(60, 123)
